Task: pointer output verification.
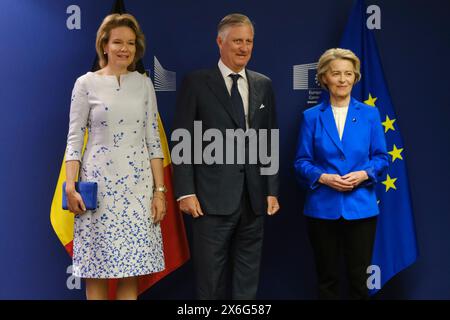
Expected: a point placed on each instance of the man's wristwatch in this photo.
(161, 188)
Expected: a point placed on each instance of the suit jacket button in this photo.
(342, 158)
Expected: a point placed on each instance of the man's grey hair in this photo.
(230, 20)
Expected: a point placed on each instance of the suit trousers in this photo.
(352, 238)
(223, 243)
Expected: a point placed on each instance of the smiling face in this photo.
(340, 78)
(235, 45)
(121, 47)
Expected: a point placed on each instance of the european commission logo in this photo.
(305, 78)
(164, 80)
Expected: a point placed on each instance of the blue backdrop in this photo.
(41, 58)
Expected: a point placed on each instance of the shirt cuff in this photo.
(186, 196)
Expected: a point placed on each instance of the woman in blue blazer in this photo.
(340, 157)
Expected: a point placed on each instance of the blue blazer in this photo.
(319, 150)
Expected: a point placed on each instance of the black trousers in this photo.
(228, 243)
(352, 238)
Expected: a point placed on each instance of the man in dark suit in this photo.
(228, 199)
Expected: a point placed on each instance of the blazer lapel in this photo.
(327, 118)
(253, 98)
(352, 122)
(217, 85)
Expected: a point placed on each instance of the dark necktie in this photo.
(236, 101)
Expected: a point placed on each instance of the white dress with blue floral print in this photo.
(118, 239)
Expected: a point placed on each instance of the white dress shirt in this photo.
(242, 85)
(340, 115)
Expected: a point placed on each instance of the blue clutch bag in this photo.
(88, 192)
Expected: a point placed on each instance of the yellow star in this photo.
(388, 124)
(389, 183)
(371, 101)
(396, 153)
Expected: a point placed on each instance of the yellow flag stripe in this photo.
(62, 220)
(164, 144)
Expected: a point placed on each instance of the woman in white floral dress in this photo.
(117, 106)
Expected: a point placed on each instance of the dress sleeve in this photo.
(79, 114)
(152, 137)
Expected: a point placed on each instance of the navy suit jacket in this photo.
(219, 187)
(319, 150)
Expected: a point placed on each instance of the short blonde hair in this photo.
(231, 20)
(104, 32)
(335, 54)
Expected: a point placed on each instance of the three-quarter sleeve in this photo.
(152, 137)
(79, 114)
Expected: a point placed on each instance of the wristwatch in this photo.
(161, 188)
